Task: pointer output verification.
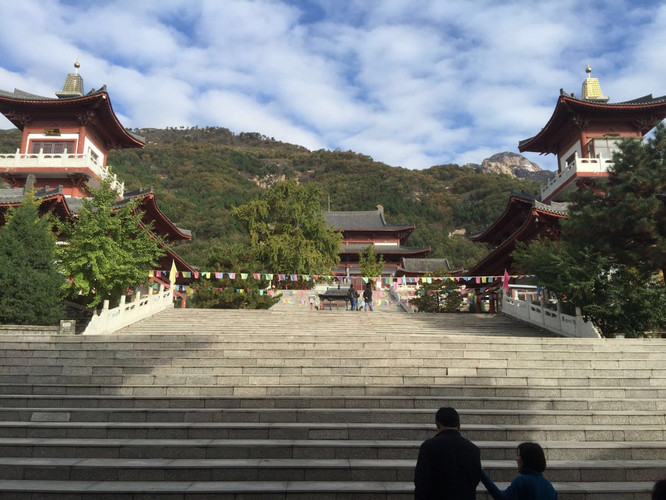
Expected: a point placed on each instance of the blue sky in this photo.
(412, 83)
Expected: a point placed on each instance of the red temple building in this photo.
(584, 133)
(363, 228)
(64, 150)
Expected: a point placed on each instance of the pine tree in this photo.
(30, 282)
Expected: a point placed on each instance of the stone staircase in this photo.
(195, 404)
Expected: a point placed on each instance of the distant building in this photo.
(361, 229)
(64, 150)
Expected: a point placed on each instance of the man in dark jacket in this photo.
(449, 466)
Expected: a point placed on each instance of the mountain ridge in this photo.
(200, 174)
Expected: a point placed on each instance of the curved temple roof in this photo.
(94, 108)
(642, 114)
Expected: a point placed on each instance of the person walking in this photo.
(353, 297)
(530, 484)
(367, 297)
(449, 466)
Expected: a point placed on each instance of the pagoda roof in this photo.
(162, 224)
(370, 220)
(516, 210)
(65, 207)
(642, 114)
(95, 108)
(51, 200)
(533, 220)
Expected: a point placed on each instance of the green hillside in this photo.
(199, 174)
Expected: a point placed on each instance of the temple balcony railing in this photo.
(41, 162)
(577, 167)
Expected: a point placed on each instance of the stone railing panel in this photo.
(553, 321)
(108, 321)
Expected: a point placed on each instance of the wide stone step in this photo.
(307, 449)
(159, 469)
(60, 364)
(344, 416)
(264, 490)
(9, 403)
(379, 379)
(32, 372)
(545, 432)
(444, 391)
(307, 339)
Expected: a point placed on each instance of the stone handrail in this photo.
(596, 165)
(553, 321)
(40, 161)
(107, 321)
(401, 296)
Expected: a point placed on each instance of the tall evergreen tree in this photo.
(108, 250)
(30, 282)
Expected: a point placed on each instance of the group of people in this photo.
(354, 296)
(449, 467)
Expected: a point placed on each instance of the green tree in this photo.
(288, 231)
(370, 265)
(616, 298)
(109, 250)
(29, 279)
(228, 293)
(438, 296)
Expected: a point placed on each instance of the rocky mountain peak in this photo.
(515, 165)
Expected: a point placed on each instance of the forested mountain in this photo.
(198, 174)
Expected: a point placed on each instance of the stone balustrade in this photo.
(553, 321)
(110, 320)
(40, 161)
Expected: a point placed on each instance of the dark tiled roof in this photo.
(16, 195)
(359, 220)
(27, 96)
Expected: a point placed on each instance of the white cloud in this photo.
(414, 83)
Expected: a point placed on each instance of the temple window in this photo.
(52, 147)
(603, 147)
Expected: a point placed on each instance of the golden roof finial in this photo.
(591, 90)
(73, 83)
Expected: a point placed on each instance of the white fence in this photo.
(108, 321)
(554, 321)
